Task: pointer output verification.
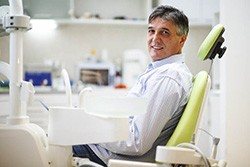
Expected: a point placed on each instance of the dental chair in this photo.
(185, 129)
(181, 148)
(24, 144)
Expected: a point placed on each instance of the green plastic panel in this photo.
(208, 43)
(187, 123)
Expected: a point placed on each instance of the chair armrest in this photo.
(124, 163)
(181, 155)
(177, 155)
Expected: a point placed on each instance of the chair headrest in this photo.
(211, 46)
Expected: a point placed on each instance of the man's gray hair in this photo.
(172, 14)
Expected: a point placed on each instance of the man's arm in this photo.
(164, 95)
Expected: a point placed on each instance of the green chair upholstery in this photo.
(190, 117)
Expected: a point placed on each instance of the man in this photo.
(166, 83)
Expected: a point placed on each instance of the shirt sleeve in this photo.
(164, 95)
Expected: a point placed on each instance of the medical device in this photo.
(25, 144)
(96, 73)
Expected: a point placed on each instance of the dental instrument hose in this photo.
(189, 145)
(216, 141)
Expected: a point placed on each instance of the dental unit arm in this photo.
(18, 133)
(26, 144)
(14, 23)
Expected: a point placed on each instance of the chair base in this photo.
(23, 145)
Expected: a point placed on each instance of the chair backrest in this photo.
(190, 119)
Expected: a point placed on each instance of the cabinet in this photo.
(111, 12)
(110, 9)
(199, 12)
(117, 12)
(46, 9)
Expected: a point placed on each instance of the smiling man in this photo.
(166, 83)
(166, 33)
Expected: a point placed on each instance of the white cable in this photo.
(206, 132)
(43, 104)
(205, 160)
(216, 141)
(81, 95)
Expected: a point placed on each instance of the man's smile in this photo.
(157, 47)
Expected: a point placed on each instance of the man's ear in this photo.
(183, 39)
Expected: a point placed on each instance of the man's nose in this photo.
(156, 37)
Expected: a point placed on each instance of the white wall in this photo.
(70, 43)
(191, 47)
(235, 81)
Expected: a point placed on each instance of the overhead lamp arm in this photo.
(10, 23)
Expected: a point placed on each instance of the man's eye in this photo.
(165, 32)
(150, 31)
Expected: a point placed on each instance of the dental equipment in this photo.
(15, 24)
(67, 87)
(25, 144)
(216, 141)
(81, 95)
(30, 136)
(43, 104)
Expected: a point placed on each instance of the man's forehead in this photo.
(161, 24)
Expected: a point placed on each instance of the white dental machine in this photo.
(25, 144)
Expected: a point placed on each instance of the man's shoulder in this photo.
(174, 69)
(178, 72)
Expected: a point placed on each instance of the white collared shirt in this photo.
(167, 85)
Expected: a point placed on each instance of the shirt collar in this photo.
(172, 59)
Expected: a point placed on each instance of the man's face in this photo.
(163, 40)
